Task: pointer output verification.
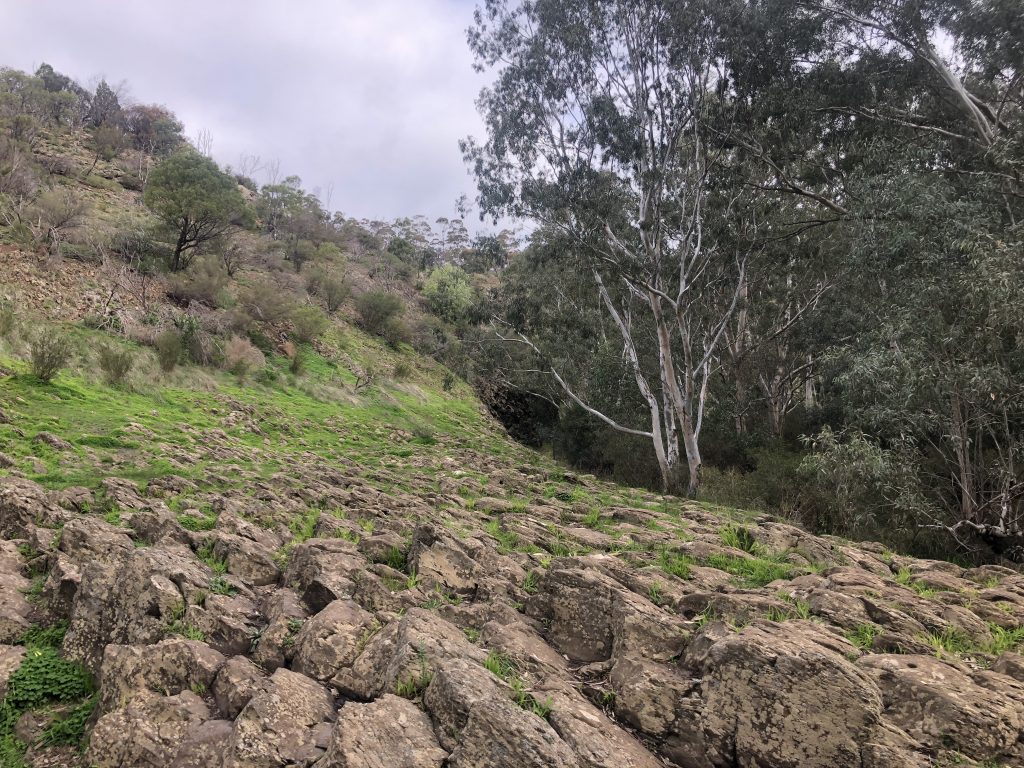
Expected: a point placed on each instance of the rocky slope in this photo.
(532, 625)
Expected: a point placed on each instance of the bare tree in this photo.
(204, 142)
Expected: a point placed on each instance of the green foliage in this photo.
(449, 293)
(395, 558)
(675, 564)
(116, 363)
(308, 323)
(751, 571)
(194, 200)
(50, 351)
(864, 636)
(44, 678)
(169, 350)
(740, 537)
(380, 314)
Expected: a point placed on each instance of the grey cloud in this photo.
(371, 97)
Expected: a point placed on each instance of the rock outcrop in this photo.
(501, 634)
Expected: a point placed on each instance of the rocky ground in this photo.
(311, 619)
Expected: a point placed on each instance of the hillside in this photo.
(326, 553)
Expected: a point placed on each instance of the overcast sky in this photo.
(370, 96)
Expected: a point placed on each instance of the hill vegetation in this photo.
(649, 487)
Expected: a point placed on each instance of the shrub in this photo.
(115, 363)
(241, 356)
(395, 332)
(449, 293)
(7, 318)
(308, 323)
(377, 308)
(332, 288)
(266, 302)
(205, 282)
(402, 370)
(168, 349)
(49, 353)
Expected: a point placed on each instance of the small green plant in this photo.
(169, 349)
(415, 682)
(1005, 640)
(303, 527)
(739, 537)
(116, 363)
(368, 526)
(751, 571)
(530, 583)
(674, 564)
(221, 586)
(42, 679)
(801, 609)
(654, 593)
(395, 558)
(507, 540)
(472, 634)
(949, 641)
(206, 554)
(906, 578)
(705, 616)
(864, 636)
(594, 519)
(49, 352)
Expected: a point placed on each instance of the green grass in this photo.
(906, 578)
(752, 571)
(864, 636)
(740, 537)
(674, 563)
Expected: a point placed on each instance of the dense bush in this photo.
(205, 282)
(241, 357)
(377, 308)
(115, 363)
(329, 286)
(449, 293)
(7, 318)
(168, 349)
(308, 323)
(264, 301)
(50, 352)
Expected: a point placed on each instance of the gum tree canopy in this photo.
(194, 199)
(600, 126)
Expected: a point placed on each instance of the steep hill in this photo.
(346, 562)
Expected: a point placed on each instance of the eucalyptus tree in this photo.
(599, 126)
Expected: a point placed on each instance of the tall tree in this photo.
(195, 200)
(599, 125)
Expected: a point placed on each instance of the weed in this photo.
(752, 571)
(472, 634)
(1005, 640)
(395, 558)
(675, 564)
(530, 583)
(415, 683)
(739, 537)
(221, 586)
(949, 641)
(654, 593)
(218, 565)
(864, 636)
